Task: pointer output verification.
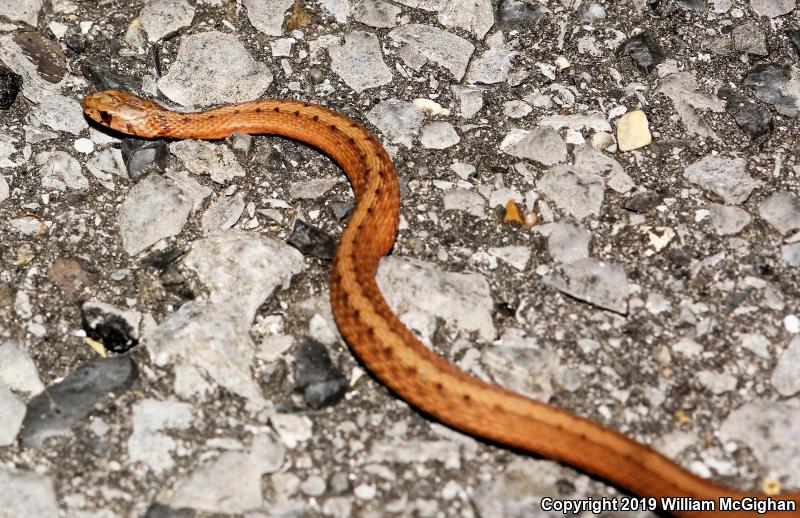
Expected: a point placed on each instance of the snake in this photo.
(383, 343)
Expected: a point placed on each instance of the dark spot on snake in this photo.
(211, 116)
(297, 113)
(351, 140)
(439, 386)
(369, 209)
(186, 119)
(306, 105)
(315, 117)
(356, 313)
(377, 192)
(105, 116)
(333, 127)
(258, 110)
(235, 112)
(466, 397)
(371, 331)
(276, 109)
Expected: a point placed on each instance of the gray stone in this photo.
(359, 61)
(599, 283)
(764, 426)
(751, 39)
(785, 377)
(475, 16)
(214, 68)
(683, 90)
(53, 412)
(716, 382)
(154, 209)
(17, 370)
(781, 210)
(544, 145)
(574, 191)
(222, 214)
(443, 48)
(568, 243)
(728, 220)
(201, 157)
(12, 411)
(24, 493)
(376, 13)
(61, 114)
(398, 120)
(791, 254)
(725, 177)
(493, 65)
(267, 17)
(421, 294)
(232, 482)
(147, 443)
(465, 200)
(60, 171)
(773, 8)
(777, 85)
(162, 18)
(439, 135)
(592, 160)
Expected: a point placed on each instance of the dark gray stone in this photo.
(10, 83)
(643, 50)
(643, 201)
(753, 119)
(53, 412)
(515, 14)
(312, 241)
(143, 156)
(768, 81)
(320, 381)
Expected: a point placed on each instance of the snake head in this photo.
(123, 111)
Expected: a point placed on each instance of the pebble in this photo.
(470, 99)
(599, 283)
(574, 191)
(784, 377)
(643, 202)
(292, 429)
(716, 382)
(60, 171)
(163, 18)
(516, 109)
(543, 145)
(143, 156)
(443, 48)
(792, 324)
(311, 241)
(321, 383)
(592, 13)
(53, 412)
(633, 131)
(422, 294)
(682, 88)
(359, 61)
(237, 77)
(725, 177)
(781, 209)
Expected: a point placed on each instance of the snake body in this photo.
(375, 333)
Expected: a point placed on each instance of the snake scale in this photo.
(375, 333)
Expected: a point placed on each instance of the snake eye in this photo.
(105, 116)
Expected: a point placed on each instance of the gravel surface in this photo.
(600, 209)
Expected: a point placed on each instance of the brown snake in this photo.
(375, 333)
